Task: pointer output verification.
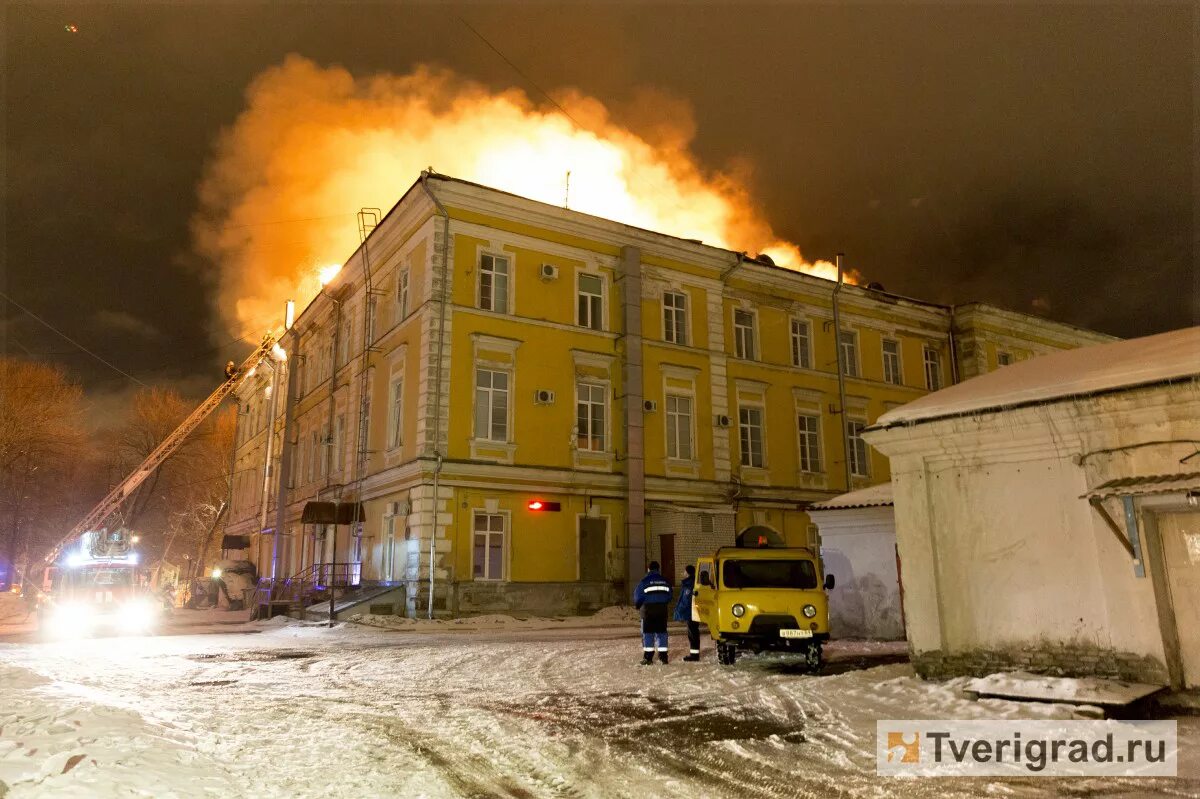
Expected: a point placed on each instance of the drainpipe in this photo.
(270, 448)
(287, 449)
(841, 372)
(953, 351)
(630, 271)
(437, 383)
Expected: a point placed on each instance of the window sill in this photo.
(503, 452)
(682, 468)
(592, 460)
(756, 474)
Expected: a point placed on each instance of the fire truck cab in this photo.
(98, 586)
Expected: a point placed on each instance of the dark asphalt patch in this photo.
(251, 656)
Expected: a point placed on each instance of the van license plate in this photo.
(795, 633)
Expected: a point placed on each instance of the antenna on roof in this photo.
(567, 195)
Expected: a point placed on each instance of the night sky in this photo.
(1041, 158)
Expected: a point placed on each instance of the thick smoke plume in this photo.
(315, 144)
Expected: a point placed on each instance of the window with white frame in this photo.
(493, 283)
(801, 344)
(339, 442)
(396, 413)
(590, 311)
(933, 369)
(388, 565)
(402, 294)
(1003, 358)
(750, 427)
(327, 366)
(491, 405)
(848, 352)
(743, 334)
(891, 362)
(372, 313)
(860, 462)
(809, 428)
(675, 317)
(346, 340)
(590, 416)
(679, 427)
(488, 557)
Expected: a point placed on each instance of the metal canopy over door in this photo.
(1180, 536)
(592, 549)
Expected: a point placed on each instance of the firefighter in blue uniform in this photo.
(653, 598)
(683, 612)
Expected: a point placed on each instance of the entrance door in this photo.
(667, 548)
(1180, 534)
(592, 549)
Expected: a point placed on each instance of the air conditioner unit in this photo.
(722, 420)
(549, 272)
(650, 406)
(543, 397)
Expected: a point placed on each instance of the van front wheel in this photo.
(726, 654)
(812, 657)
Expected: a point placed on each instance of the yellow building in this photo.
(481, 352)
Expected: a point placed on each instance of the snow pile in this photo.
(1039, 687)
(605, 617)
(1071, 373)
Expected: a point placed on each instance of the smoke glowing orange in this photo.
(315, 144)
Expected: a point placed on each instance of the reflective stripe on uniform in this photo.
(647, 649)
(650, 588)
(695, 651)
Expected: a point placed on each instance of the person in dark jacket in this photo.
(683, 612)
(653, 598)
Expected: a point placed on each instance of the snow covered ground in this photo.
(498, 709)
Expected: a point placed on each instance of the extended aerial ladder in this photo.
(125, 489)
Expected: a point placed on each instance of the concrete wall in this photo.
(858, 546)
(1005, 565)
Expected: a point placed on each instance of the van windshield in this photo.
(769, 574)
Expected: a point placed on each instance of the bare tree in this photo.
(42, 453)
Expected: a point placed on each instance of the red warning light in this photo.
(540, 505)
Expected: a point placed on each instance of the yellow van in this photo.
(763, 598)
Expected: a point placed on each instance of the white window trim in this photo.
(899, 360)
(761, 407)
(820, 434)
(495, 252)
(937, 362)
(754, 342)
(395, 430)
(603, 299)
(689, 394)
(506, 553)
(808, 345)
(403, 295)
(687, 316)
(492, 366)
(857, 364)
(866, 474)
(606, 387)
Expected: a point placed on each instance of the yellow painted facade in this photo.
(502, 366)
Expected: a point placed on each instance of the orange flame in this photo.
(314, 145)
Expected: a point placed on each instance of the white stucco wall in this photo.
(858, 546)
(999, 551)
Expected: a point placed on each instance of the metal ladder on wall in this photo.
(368, 220)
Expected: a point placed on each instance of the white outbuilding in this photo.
(858, 547)
(1046, 515)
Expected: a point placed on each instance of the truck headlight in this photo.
(809, 611)
(137, 616)
(739, 610)
(71, 619)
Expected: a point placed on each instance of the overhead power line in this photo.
(58, 332)
(517, 69)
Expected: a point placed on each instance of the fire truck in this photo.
(93, 580)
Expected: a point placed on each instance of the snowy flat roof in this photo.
(872, 497)
(1071, 373)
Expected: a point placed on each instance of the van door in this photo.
(704, 596)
